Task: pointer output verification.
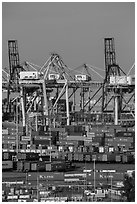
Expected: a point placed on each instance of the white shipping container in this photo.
(30, 75)
(24, 196)
(101, 149)
(12, 197)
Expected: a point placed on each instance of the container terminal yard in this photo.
(66, 137)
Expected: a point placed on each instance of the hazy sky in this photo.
(73, 30)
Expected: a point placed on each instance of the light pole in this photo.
(37, 182)
(94, 175)
(37, 188)
(111, 186)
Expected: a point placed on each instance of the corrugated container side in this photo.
(5, 132)
(87, 157)
(33, 166)
(76, 157)
(118, 158)
(48, 167)
(124, 158)
(7, 165)
(104, 157)
(41, 166)
(19, 156)
(70, 158)
(26, 166)
(77, 138)
(23, 156)
(5, 155)
(111, 157)
(94, 156)
(100, 157)
(19, 166)
(80, 157)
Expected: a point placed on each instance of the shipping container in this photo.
(77, 138)
(80, 157)
(111, 157)
(26, 166)
(70, 157)
(45, 157)
(87, 143)
(85, 149)
(95, 144)
(20, 166)
(60, 130)
(48, 167)
(91, 149)
(118, 158)
(106, 149)
(94, 157)
(45, 142)
(75, 157)
(19, 156)
(8, 137)
(80, 149)
(8, 141)
(87, 157)
(127, 158)
(104, 158)
(125, 134)
(41, 166)
(101, 149)
(6, 156)
(7, 165)
(23, 156)
(34, 167)
(5, 132)
(100, 157)
(123, 139)
(25, 138)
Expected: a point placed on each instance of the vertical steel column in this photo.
(67, 104)
(17, 128)
(116, 109)
(45, 100)
(23, 106)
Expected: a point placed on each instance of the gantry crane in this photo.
(14, 68)
(117, 90)
(45, 88)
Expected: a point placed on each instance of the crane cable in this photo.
(131, 69)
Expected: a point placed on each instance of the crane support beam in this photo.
(45, 98)
(23, 107)
(67, 104)
(116, 109)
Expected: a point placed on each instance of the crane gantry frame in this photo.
(40, 90)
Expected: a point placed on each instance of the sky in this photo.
(75, 30)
